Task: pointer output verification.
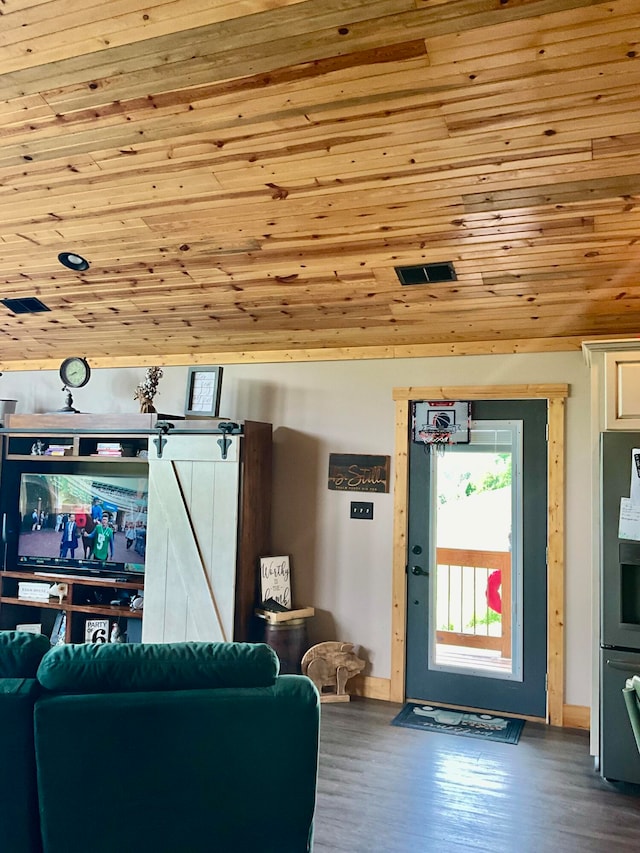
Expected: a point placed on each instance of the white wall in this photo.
(343, 566)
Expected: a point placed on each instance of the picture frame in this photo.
(204, 385)
(275, 580)
(96, 631)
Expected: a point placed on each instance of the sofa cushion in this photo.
(20, 653)
(133, 667)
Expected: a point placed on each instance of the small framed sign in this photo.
(204, 385)
(96, 631)
(355, 472)
(275, 580)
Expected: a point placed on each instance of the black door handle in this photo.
(418, 570)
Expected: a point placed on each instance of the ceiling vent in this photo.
(426, 273)
(28, 305)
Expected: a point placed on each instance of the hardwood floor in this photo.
(384, 789)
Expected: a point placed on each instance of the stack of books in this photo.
(108, 448)
(33, 591)
(57, 450)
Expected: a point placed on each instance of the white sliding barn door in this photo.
(191, 540)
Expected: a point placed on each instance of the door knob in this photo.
(418, 570)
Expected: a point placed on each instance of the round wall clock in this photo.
(75, 372)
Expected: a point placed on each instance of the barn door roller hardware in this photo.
(226, 428)
(160, 440)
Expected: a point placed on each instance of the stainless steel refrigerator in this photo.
(619, 611)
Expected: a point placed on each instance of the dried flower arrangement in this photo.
(147, 389)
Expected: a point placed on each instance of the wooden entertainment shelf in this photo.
(78, 588)
(76, 437)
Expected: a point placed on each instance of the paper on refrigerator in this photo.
(634, 493)
(629, 527)
(629, 524)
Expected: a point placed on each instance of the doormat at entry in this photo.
(429, 718)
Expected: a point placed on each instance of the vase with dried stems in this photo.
(147, 390)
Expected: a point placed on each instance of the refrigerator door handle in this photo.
(624, 667)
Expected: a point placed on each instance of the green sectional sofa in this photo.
(172, 748)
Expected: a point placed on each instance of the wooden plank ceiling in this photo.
(245, 176)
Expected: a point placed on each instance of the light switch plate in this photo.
(361, 509)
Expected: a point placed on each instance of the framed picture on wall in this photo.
(203, 392)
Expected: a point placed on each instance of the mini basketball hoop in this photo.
(438, 441)
(440, 423)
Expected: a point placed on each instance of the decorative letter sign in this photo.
(350, 472)
(275, 580)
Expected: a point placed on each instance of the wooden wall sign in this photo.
(354, 472)
(275, 580)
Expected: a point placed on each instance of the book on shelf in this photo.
(30, 627)
(59, 629)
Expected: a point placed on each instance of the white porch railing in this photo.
(463, 613)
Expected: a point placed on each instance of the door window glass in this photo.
(476, 574)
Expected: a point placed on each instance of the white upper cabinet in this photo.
(615, 383)
(622, 390)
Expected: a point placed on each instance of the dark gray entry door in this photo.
(477, 601)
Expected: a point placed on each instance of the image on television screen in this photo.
(83, 521)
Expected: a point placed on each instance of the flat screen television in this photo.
(64, 521)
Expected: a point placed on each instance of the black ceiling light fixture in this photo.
(73, 261)
(427, 273)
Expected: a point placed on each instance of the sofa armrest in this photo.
(19, 818)
(21, 653)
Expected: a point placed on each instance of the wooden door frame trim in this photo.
(555, 395)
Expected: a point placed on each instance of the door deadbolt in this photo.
(417, 549)
(418, 570)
